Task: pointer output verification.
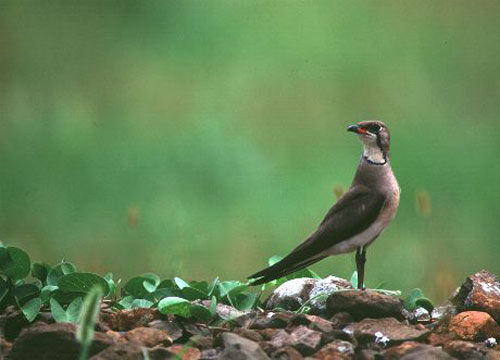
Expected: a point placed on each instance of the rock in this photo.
(481, 292)
(441, 311)
(128, 351)
(396, 352)
(126, 320)
(209, 354)
(426, 352)
(313, 322)
(12, 322)
(292, 294)
(184, 353)
(149, 337)
(270, 320)
(268, 334)
(395, 331)
(202, 341)
(341, 319)
(237, 347)
(365, 304)
(54, 341)
(253, 335)
(421, 315)
(465, 350)
(474, 326)
(173, 329)
(336, 350)
(305, 340)
(287, 353)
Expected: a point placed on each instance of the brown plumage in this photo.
(358, 217)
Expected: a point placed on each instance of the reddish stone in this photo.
(185, 352)
(336, 350)
(396, 352)
(474, 326)
(149, 336)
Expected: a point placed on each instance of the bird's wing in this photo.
(352, 214)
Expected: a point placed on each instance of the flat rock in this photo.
(182, 352)
(54, 341)
(294, 293)
(480, 291)
(396, 352)
(336, 350)
(465, 350)
(128, 351)
(287, 353)
(303, 339)
(426, 352)
(474, 326)
(149, 337)
(313, 322)
(270, 320)
(173, 329)
(368, 330)
(239, 348)
(365, 304)
(126, 320)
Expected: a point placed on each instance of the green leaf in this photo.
(4, 289)
(232, 287)
(57, 311)
(14, 263)
(415, 299)
(192, 292)
(175, 305)
(141, 303)
(159, 294)
(25, 292)
(354, 279)
(58, 271)
(47, 292)
(213, 286)
(40, 271)
(213, 306)
(245, 301)
(200, 312)
(74, 309)
(113, 286)
(126, 302)
(31, 308)
(82, 282)
(151, 282)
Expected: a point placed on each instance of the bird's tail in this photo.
(286, 266)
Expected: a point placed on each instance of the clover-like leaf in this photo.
(31, 308)
(78, 282)
(175, 305)
(14, 263)
(415, 299)
(58, 271)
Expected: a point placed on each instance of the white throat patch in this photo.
(372, 153)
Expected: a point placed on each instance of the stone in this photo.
(173, 329)
(209, 354)
(421, 315)
(149, 337)
(426, 352)
(12, 322)
(442, 311)
(270, 320)
(54, 341)
(397, 352)
(237, 347)
(341, 319)
(128, 351)
(202, 341)
(250, 334)
(268, 334)
(305, 340)
(396, 332)
(480, 291)
(365, 304)
(183, 352)
(126, 320)
(294, 293)
(465, 350)
(474, 326)
(313, 322)
(336, 350)
(287, 353)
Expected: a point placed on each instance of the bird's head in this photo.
(375, 138)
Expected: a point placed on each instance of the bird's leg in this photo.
(360, 265)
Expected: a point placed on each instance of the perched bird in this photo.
(357, 218)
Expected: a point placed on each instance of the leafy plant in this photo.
(90, 310)
(415, 299)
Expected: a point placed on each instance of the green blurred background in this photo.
(199, 138)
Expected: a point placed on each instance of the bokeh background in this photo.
(199, 138)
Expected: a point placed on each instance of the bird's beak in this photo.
(356, 129)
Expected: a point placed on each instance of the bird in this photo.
(358, 217)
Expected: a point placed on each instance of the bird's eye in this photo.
(374, 129)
